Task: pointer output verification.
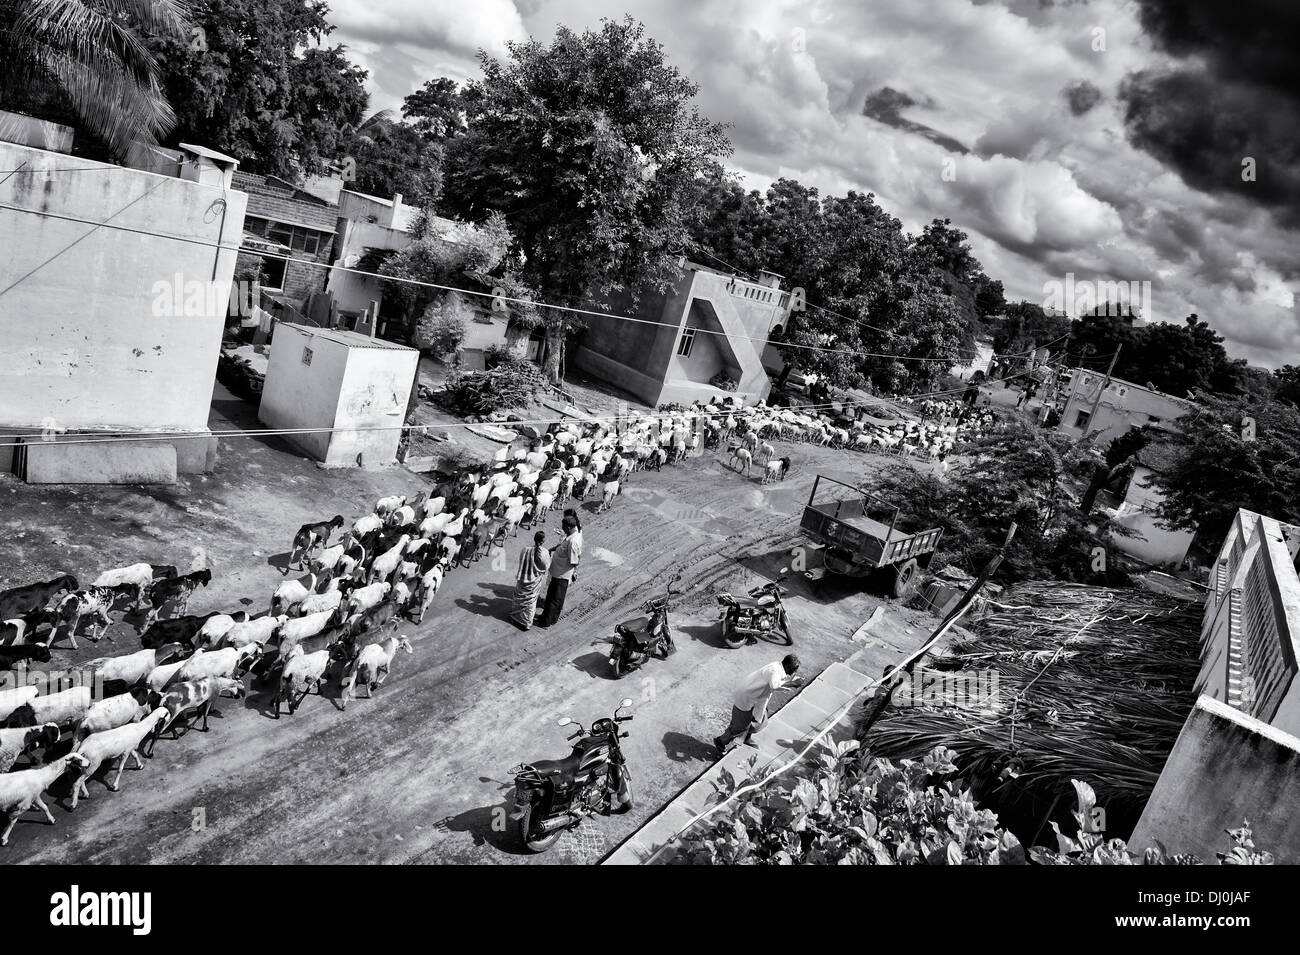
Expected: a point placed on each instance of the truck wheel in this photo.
(904, 578)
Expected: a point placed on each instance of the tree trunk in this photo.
(554, 353)
(517, 339)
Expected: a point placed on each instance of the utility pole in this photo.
(1104, 385)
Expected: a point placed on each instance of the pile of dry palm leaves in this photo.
(1093, 683)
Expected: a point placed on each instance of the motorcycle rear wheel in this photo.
(733, 640)
(618, 667)
(532, 841)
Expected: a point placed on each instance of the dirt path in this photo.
(421, 772)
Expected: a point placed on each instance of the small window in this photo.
(306, 356)
(273, 274)
(1081, 421)
(1153, 420)
(311, 243)
(280, 233)
(684, 346)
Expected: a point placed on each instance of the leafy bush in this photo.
(723, 380)
(858, 811)
(510, 383)
(441, 328)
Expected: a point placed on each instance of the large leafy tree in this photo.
(258, 84)
(1233, 452)
(1024, 326)
(590, 147)
(393, 157)
(89, 62)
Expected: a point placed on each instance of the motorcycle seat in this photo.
(565, 768)
(752, 603)
(637, 625)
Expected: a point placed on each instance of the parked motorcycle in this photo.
(553, 795)
(745, 619)
(637, 640)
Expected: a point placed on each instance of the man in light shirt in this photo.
(564, 561)
(749, 705)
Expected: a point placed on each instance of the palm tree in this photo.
(95, 53)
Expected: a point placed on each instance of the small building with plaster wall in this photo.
(709, 324)
(94, 342)
(352, 391)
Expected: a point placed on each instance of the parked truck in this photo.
(861, 534)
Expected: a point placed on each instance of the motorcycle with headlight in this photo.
(555, 795)
(761, 614)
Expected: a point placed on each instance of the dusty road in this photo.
(421, 772)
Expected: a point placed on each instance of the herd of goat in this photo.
(339, 620)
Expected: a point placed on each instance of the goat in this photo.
(309, 536)
(137, 577)
(363, 598)
(371, 666)
(21, 790)
(386, 505)
(24, 653)
(20, 601)
(428, 588)
(176, 630)
(15, 742)
(364, 529)
(383, 566)
(11, 700)
(403, 516)
(131, 668)
(253, 631)
(194, 697)
(743, 456)
(301, 628)
(175, 588)
(775, 470)
(215, 628)
(122, 741)
(109, 714)
(291, 593)
(304, 668)
(64, 708)
(224, 662)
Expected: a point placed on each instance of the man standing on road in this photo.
(564, 561)
(749, 705)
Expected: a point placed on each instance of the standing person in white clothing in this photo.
(749, 705)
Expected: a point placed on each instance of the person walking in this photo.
(533, 564)
(749, 704)
(564, 561)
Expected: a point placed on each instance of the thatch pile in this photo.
(1094, 684)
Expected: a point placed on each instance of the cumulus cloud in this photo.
(1117, 160)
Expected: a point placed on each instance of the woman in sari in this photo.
(533, 565)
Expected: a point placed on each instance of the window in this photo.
(684, 346)
(306, 356)
(272, 274)
(1153, 420)
(1081, 421)
(300, 240)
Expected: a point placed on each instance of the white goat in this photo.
(383, 566)
(123, 742)
(253, 631)
(363, 598)
(21, 790)
(291, 593)
(371, 666)
(109, 714)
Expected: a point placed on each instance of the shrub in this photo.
(510, 383)
(441, 328)
(723, 380)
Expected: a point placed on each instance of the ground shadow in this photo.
(681, 748)
(595, 664)
(709, 634)
(830, 588)
(488, 826)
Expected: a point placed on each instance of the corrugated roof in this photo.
(351, 339)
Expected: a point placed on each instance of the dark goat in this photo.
(20, 601)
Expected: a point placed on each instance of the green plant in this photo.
(724, 381)
(1093, 848)
(856, 810)
(441, 328)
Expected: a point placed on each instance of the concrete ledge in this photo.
(128, 462)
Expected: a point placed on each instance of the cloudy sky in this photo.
(1114, 140)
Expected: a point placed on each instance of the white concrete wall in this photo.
(79, 341)
(352, 292)
(1225, 767)
(1123, 405)
(375, 389)
(303, 396)
(1153, 543)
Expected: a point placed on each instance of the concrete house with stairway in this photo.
(710, 328)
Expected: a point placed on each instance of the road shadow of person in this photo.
(681, 748)
(488, 826)
(498, 606)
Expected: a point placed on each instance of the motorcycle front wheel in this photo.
(536, 842)
(733, 640)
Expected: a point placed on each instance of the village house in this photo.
(288, 232)
(1238, 755)
(116, 286)
(1123, 405)
(706, 338)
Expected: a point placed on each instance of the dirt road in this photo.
(421, 772)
